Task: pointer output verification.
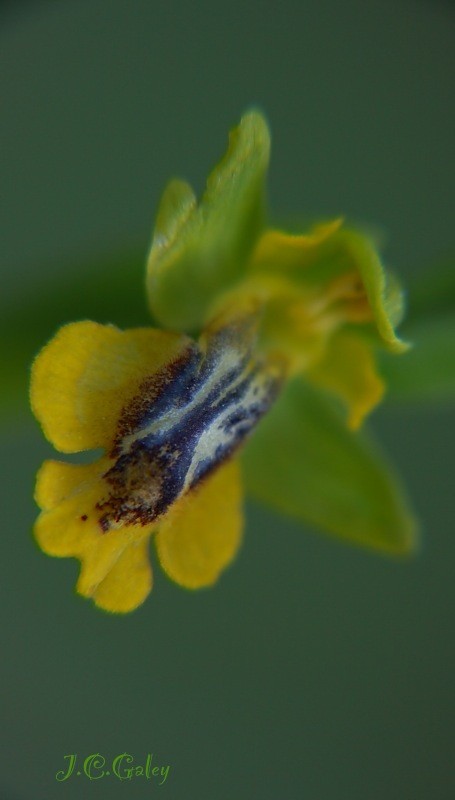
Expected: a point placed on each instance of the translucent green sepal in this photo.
(325, 255)
(383, 289)
(199, 251)
(303, 461)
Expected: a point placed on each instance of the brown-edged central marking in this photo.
(183, 423)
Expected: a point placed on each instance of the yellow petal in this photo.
(348, 370)
(68, 493)
(56, 480)
(129, 581)
(201, 534)
(86, 374)
(115, 569)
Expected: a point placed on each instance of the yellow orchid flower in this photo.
(245, 315)
(169, 414)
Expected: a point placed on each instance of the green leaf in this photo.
(199, 251)
(427, 372)
(303, 461)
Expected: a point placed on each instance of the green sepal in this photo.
(303, 461)
(344, 251)
(382, 287)
(199, 251)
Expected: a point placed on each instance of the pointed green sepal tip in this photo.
(383, 289)
(326, 475)
(199, 251)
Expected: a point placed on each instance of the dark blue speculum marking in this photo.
(184, 422)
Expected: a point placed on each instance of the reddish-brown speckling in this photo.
(84, 517)
(104, 524)
(135, 480)
(135, 489)
(150, 389)
(155, 461)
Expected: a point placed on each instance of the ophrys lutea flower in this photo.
(249, 323)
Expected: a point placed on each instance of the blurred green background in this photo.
(312, 670)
